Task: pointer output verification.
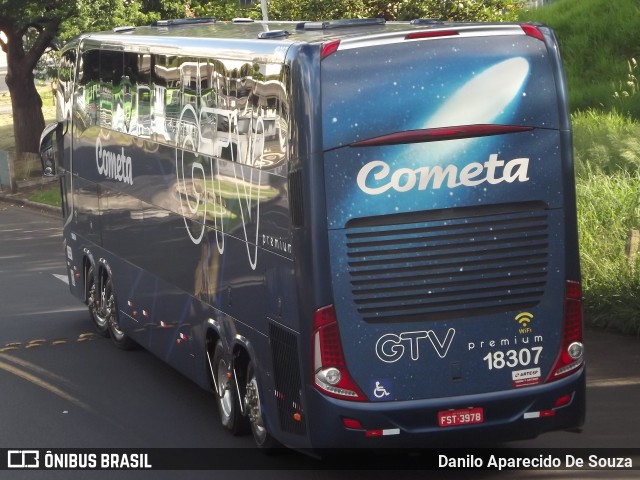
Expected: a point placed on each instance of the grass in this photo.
(597, 38)
(47, 196)
(607, 155)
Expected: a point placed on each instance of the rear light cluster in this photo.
(572, 350)
(330, 371)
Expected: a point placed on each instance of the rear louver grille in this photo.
(284, 354)
(422, 266)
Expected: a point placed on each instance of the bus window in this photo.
(111, 95)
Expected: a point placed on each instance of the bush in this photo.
(597, 38)
(607, 154)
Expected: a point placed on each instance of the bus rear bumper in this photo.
(510, 415)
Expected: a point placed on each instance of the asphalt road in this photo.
(61, 386)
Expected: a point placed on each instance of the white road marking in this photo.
(614, 382)
(62, 278)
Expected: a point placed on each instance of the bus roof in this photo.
(203, 34)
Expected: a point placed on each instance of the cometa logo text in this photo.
(113, 164)
(376, 177)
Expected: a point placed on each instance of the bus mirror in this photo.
(48, 154)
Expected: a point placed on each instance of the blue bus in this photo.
(355, 233)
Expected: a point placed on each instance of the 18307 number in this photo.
(513, 358)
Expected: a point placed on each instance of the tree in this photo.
(31, 27)
(456, 10)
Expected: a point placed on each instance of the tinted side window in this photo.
(87, 95)
(111, 93)
(66, 78)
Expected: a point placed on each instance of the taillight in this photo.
(329, 48)
(532, 31)
(572, 350)
(329, 368)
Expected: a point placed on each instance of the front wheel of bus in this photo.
(119, 338)
(226, 392)
(97, 305)
(254, 410)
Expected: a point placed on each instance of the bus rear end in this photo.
(450, 202)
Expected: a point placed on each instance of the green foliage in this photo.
(312, 9)
(49, 196)
(472, 10)
(96, 15)
(225, 9)
(597, 38)
(607, 154)
(605, 142)
(456, 10)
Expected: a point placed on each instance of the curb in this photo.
(48, 209)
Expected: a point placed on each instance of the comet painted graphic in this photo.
(484, 98)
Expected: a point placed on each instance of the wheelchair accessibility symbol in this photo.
(381, 389)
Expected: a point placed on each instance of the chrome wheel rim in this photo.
(225, 395)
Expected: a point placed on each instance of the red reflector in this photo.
(352, 423)
(547, 413)
(564, 400)
(374, 433)
(431, 34)
(532, 31)
(329, 48)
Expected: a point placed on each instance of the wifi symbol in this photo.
(524, 318)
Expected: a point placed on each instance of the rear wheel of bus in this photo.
(119, 338)
(261, 436)
(96, 303)
(226, 393)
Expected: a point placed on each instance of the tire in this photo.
(261, 436)
(226, 393)
(96, 304)
(119, 338)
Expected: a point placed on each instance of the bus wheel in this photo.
(119, 338)
(96, 305)
(226, 392)
(252, 402)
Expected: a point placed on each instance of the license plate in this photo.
(465, 416)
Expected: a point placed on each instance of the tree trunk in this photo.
(28, 120)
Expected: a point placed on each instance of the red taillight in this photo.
(572, 350)
(329, 48)
(532, 31)
(431, 34)
(329, 368)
